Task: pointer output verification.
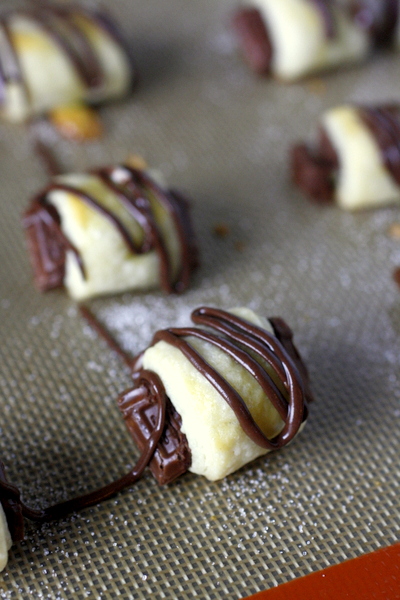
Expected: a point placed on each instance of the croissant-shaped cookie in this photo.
(290, 39)
(356, 161)
(52, 55)
(235, 386)
(109, 231)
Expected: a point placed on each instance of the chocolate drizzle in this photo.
(149, 386)
(48, 244)
(59, 23)
(384, 124)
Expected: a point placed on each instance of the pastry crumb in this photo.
(239, 246)
(136, 161)
(76, 122)
(394, 231)
(317, 86)
(221, 230)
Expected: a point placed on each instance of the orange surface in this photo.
(374, 576)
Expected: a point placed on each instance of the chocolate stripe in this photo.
(290, 379)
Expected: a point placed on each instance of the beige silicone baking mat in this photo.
(222, 136)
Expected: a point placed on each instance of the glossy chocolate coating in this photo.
(149, 386)
(48, 244)
(313, 170)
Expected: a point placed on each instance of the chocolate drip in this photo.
(384, 124)
(172, 457)
(46, 239)
(107, 337)
(240, 340)
(285, 336)
(59, 23)
(313, 170)
(149, 386)
(10, 500)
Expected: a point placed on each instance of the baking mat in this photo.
(222, 136)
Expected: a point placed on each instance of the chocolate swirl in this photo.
(60, 24)
(48, 244)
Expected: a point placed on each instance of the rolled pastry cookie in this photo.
(236, 389)
(109, 231)
(5, 539)
(54, 55)
(293, 38)
(356, 161)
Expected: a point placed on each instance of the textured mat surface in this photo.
(222, 136)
